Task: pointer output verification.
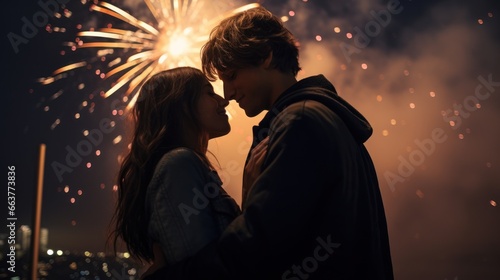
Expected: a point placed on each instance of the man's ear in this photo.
(268, 60)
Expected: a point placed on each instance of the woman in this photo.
(168, 191)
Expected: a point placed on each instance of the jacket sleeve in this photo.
(181, 219)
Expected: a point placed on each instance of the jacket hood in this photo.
(318, 88)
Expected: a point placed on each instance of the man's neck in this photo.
(282, 82)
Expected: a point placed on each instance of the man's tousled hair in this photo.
(246, 39)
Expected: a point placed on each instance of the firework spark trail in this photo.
(121, 53)
(175, 40)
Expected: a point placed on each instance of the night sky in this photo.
(426, 77)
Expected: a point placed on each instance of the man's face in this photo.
(250, 87)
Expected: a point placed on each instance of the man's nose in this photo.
(222, 101)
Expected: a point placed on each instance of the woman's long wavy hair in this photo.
(164, 117)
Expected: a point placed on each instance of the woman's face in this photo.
(212, 112)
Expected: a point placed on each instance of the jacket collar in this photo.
(261, 130)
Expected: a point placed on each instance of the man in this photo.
(315, 211)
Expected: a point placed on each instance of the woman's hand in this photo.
(158, 262)
(253, 168)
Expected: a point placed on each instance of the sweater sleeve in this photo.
(178, 198)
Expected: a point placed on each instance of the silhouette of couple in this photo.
(311, 205)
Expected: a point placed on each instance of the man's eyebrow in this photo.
(227, 74)
(221, 74)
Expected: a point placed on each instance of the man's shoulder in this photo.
(307, 114)
(308, 98)
(307, 108)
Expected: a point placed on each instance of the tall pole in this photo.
(35, 234)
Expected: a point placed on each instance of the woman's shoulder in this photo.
(181, 156)
(180, 161)
(179, 164)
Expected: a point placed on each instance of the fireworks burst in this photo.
(121, 54)
(174, 37)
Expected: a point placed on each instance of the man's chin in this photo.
(251, 113)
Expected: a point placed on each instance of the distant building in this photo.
(44, 240)
(23, 240)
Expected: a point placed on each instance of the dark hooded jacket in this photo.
(316, 210)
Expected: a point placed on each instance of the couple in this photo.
(311, 206)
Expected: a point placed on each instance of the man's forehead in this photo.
(226, 74)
